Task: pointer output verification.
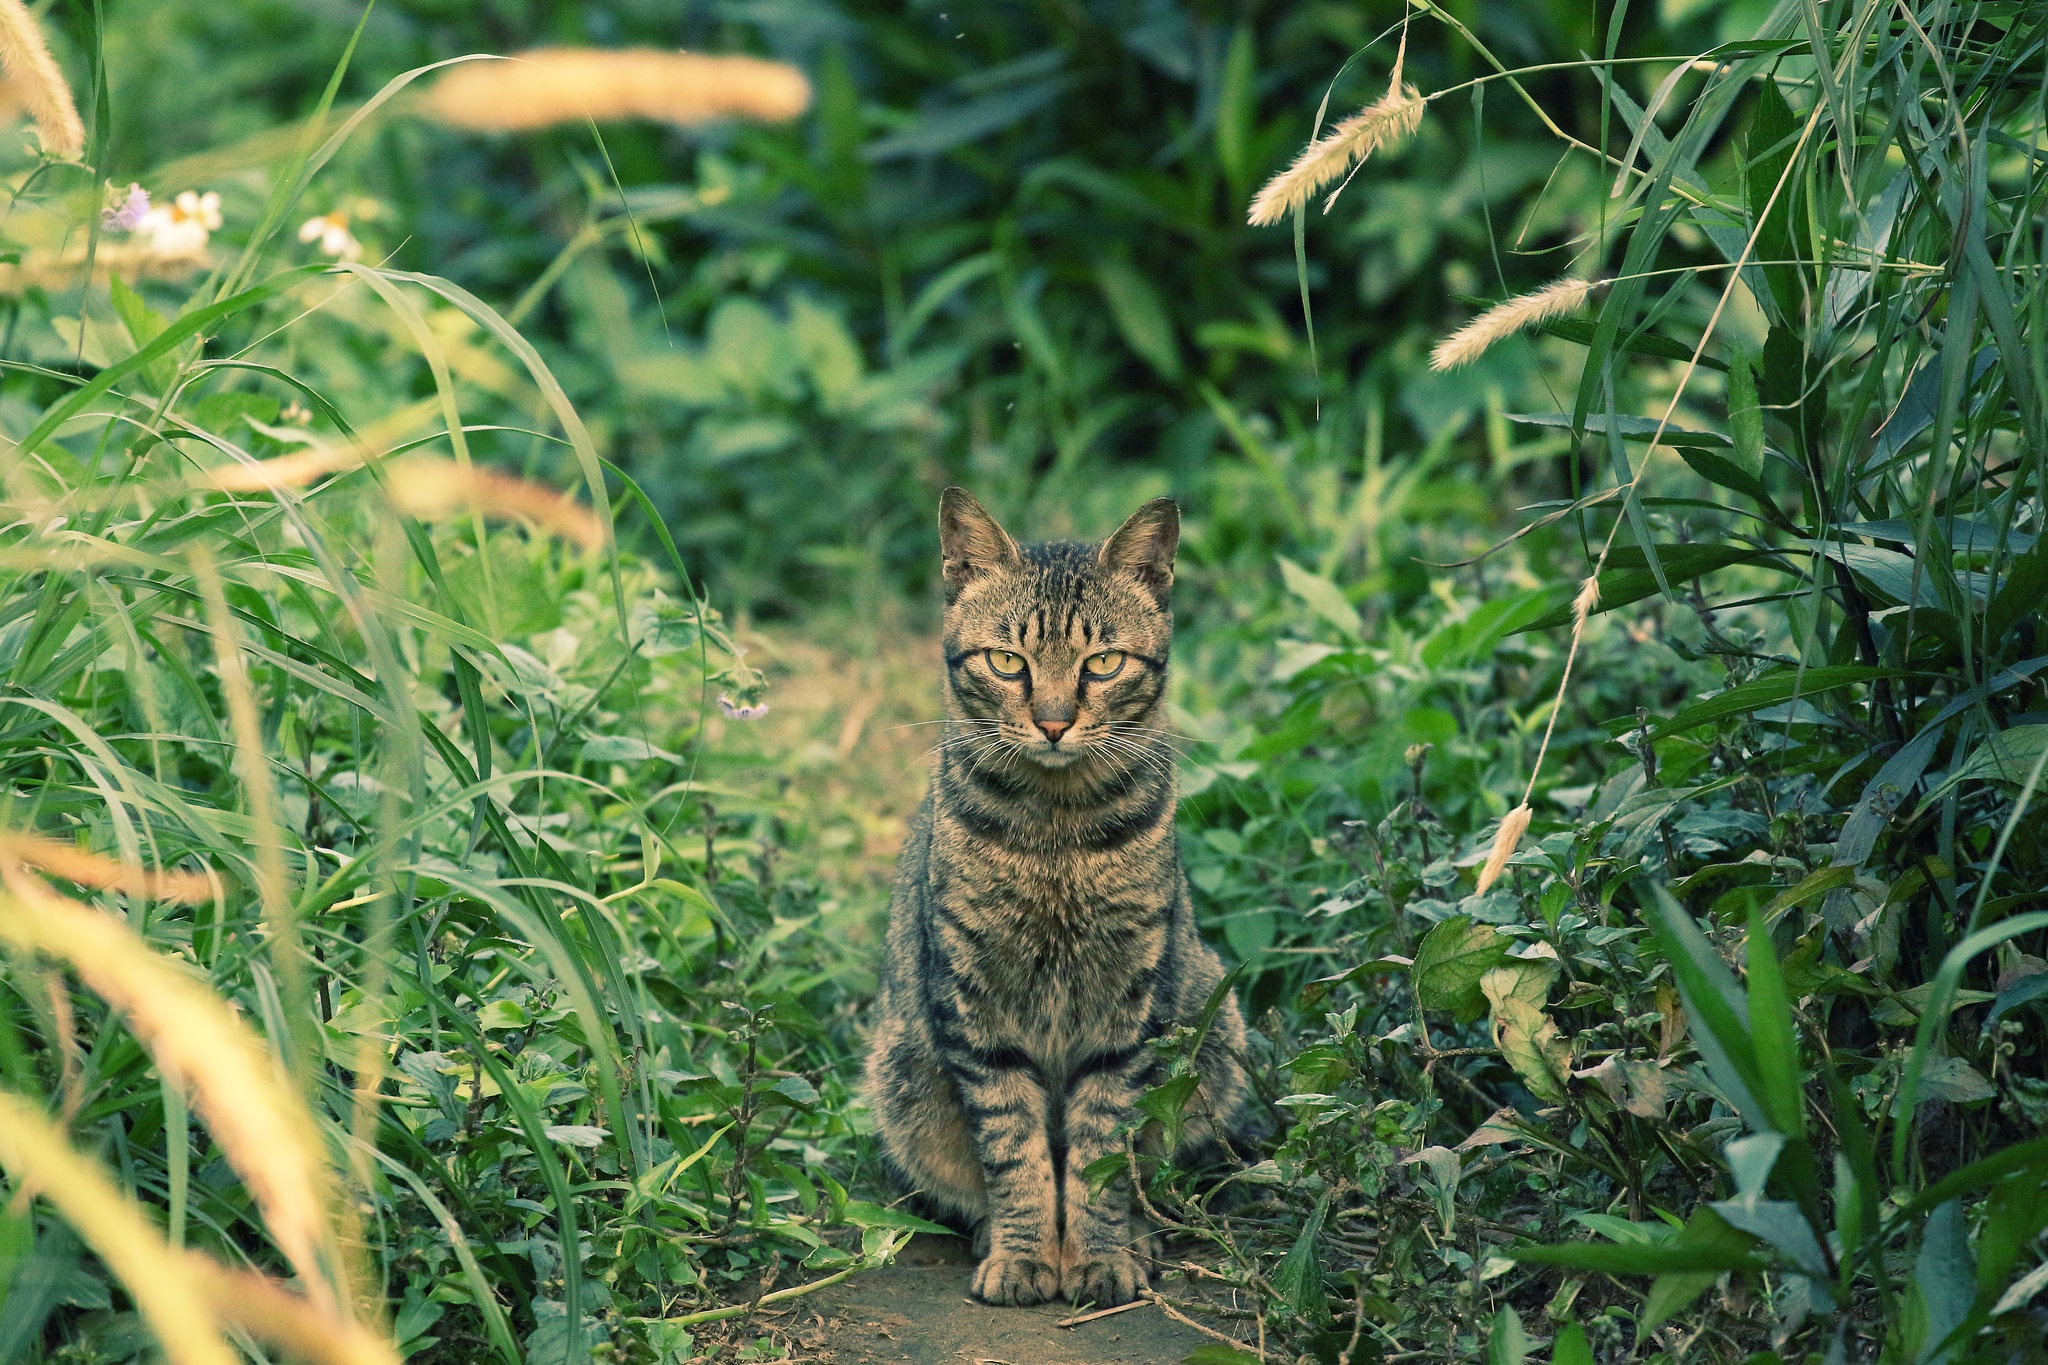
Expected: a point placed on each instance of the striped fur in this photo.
(1041, 934)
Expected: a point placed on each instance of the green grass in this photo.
(1742, 1055)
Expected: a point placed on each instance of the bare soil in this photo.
(918, 1312)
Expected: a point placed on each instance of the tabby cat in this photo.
(1040, 935)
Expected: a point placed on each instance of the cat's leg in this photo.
(1007, 1108)
(922, 1126)
(1102, 1258)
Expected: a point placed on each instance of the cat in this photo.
(1040, 935)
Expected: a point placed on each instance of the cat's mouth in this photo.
(1056, 753)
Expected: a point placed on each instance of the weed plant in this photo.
(1743, 1054)
(398, 755)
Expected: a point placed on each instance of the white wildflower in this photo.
(331, 231)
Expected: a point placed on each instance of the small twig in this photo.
(1210, 1332)
(1080, 1318)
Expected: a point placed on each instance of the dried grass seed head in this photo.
(1387, 119)
(1513, 826)
(1503, 320)
(160, 1280)
(548, 86)
(36, 83)
(201, 1045)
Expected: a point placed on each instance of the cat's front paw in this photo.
(1006, 1277)
(1106, 1281)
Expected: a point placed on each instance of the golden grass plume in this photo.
(1387, 119)
(295, 470)
(142, 258)
(160, 1280)
(431, 488)
(1583, 604)
(35, 81)
(274, 1314)
(1513, 826)
(201, 1045)
(1503, 320)
(547, 86)
(102, 873)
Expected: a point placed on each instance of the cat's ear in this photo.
(1144, 546)
(971, 543)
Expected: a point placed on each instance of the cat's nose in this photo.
(1053, 729)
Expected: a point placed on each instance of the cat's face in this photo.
(1056, 652)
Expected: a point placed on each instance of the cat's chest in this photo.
(1050, 953)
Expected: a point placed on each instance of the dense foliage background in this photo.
(567, 950)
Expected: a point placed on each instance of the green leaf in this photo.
(1772, 689)
(1236, 107)
(1672, 1292)
(1140, 314)
(1944, 1281)
(1298, 1279)
(1941, 1000)
(1217, 1354)
(797, 1090)
(1629, 578)
(2006, 756)
(1713, 1002)
(1746, 417)
(1323, 597)
(1663, 1259)
(1450, 962)
(1771, 1033)
(144, 325)
(1570, 1347)
(502, 1014)
(624, 749)
(1167, 1104)
(185, 327)
(1507, 1343)
(1773, 130)
(862, 1214)
(1956, 1081)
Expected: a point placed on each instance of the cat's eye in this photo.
(1005, 664)
(1104, 665)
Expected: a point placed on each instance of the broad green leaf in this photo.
(1673, 1291)
(2006, 756)
(1323, 597)
(1140, 314)
(1745, 416)
(1507, 1343)
(625, 749)
(1772, 689)
(1944, 1280)
(1298, 1279)
(1956, 1081)
(1450, 962)
(1629, 578)
(1570, 1347)
(862, 1214)
(1214, 1353)
(1237, 109)
(2014, 1215)
(1781, 1224)
(1713, 1004)
(1771, 1032)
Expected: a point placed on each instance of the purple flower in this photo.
(128, 214)
(739, 711)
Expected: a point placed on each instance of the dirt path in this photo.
(917, 1311)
